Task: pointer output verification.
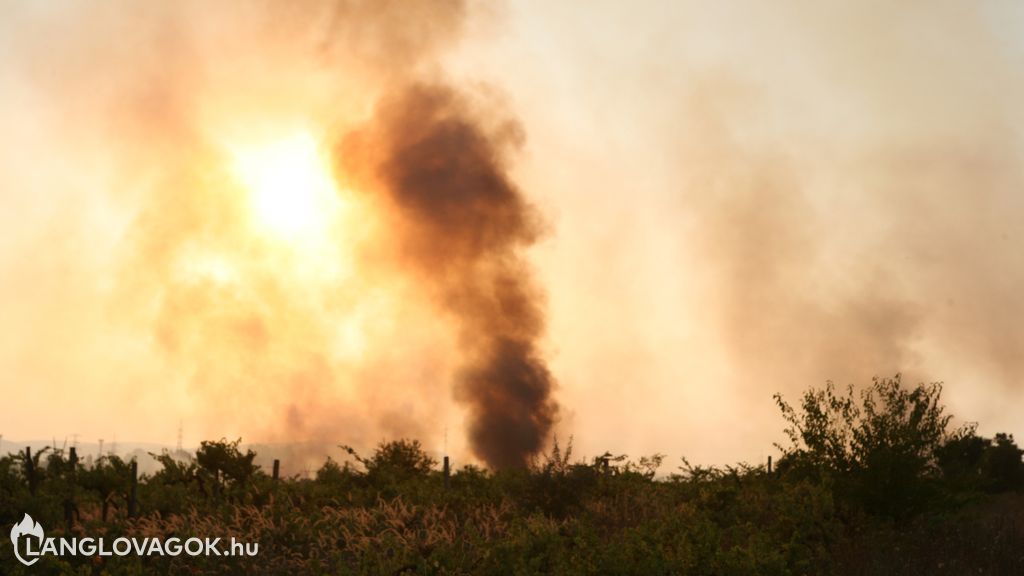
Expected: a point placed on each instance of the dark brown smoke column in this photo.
(461, 224)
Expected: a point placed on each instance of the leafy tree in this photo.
(895, 444)
(1002, 468)
(972, 462)
(882, 447)
(821, 432)
(960, 459)
(336, 475)
(174, 471)
(224, 465)
(396, 460)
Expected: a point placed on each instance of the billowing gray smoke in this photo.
(461, 224)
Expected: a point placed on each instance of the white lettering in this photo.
(122, 546)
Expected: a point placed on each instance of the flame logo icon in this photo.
(27, 527)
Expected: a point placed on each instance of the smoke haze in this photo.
(721, 202)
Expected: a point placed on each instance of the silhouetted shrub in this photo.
(223, 466)
(881, 448)
(1002, 469)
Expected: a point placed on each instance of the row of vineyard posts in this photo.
(71, 509)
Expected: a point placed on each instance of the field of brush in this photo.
(875, 483)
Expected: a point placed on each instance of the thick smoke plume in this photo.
(462, 224)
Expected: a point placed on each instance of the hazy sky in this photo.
(738, 198)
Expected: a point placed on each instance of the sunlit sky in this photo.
(740, 198)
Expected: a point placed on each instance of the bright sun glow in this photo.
(290, 184)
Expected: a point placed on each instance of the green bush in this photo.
(881, 448)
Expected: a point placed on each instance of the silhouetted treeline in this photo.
(875, 482)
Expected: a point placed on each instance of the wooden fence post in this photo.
(447, 472)
(30, 470)
(133, 504)
(69, 503)
(769, 465)
(277, 469)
